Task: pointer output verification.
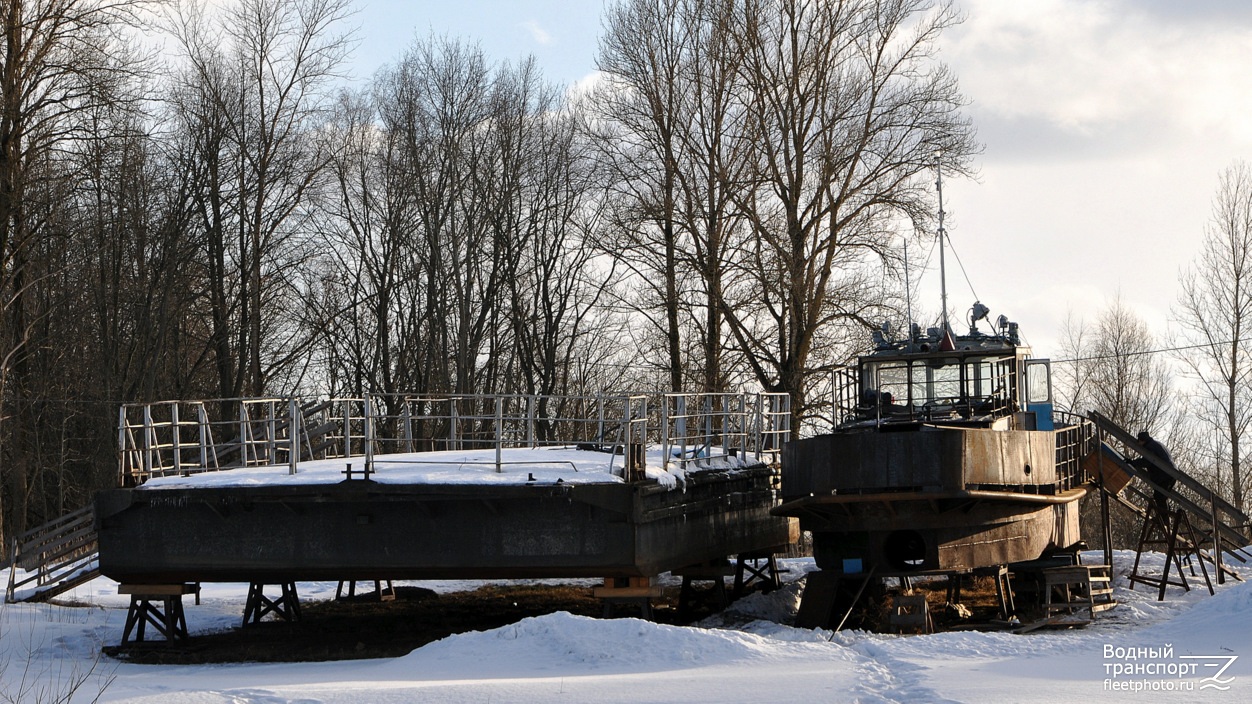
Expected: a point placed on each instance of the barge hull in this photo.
(365, 530)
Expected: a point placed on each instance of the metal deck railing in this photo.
(1075, 440)
(693, 430)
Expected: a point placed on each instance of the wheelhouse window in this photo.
(1038, 382)
(968, 386)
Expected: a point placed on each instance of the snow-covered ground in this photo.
(746, 654)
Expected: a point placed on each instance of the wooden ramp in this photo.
(57, 556)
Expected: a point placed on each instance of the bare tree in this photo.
(61, 59)
(1114, 367)
(846, 106)
(254, 92)
(462, 231)
(641, 54)
(1119, 371)
(1214, 316)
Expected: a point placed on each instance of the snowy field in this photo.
(747, 654)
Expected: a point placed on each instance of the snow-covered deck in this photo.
(545, 465)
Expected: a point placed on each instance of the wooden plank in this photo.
(45, 552)
(156, 589)
(626, 592)
(60, 573)
(63, 585)
(704, 571)
(83, 513)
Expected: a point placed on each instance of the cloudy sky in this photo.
(1106, 124)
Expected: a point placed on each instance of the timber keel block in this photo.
(380, 592)
(714, 572)
(627, 591)
(286, 606)
(159, 606)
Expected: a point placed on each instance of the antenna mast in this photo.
(943, 275)
(908, 296)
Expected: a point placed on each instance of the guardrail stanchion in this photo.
(147, 441)
(499, 433)
(293, 436)
(371, 432)
(121, 446)
(176, 438)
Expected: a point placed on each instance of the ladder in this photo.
(1082, 588)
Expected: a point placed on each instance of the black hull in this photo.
(365, 530)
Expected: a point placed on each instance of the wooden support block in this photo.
(817, 605)
(1082, 588)
(163, 611)
(286, 606)
(911, 612)
(1115, 478)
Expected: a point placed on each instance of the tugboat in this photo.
(945, 457)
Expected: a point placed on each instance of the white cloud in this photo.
(586, 84)
(537, 32)
(1103, 75)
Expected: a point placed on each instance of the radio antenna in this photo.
(943, 274)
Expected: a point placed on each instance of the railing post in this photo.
(1217, 538)
(680, 429)
(454, 429)
(121, 446)
(499, 432)
(600, 418)
(293, 436)
(271, 433)
(643, 440)
(406, 420)
(786, 415)
(176, 437)
(347, 427)
(206, 436)
(147, 440)
(665, 442)
(530, 420)
(244, 432)
(628, 471)
(369, 434)
(741, 424)
(707, 409)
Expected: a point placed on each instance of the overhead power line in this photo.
(1141, 353)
